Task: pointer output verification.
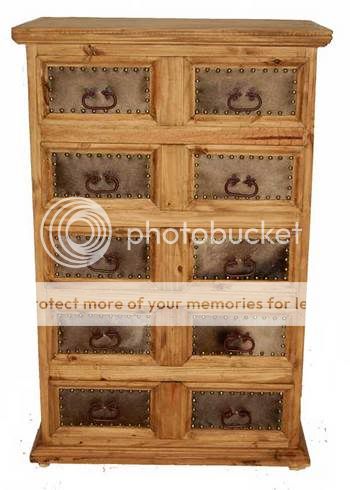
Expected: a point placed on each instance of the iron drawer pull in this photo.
(231, 265)
(91, 93)
(234, 180)
(251, 94)
(110, 259)
(239, 343)
(103, 412)
(95, 179)
(237, 414)
(104, 340)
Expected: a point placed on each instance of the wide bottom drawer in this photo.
(101, 407)
(187, 414)
(235, 410)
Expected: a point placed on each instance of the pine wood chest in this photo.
(172, 121)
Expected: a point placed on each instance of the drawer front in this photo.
(243, 176)
(119, 262)
(101, 175)
(89, 89)
(241, 261)
(234, 410)
(222, 335)
(246, 90)
(103, 334)
(104, 407)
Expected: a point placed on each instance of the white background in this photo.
(325, 403)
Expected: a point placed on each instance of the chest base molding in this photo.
(294, 458)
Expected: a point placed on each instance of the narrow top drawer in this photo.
(96, 89)
(250, 89)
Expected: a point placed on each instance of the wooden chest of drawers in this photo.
(172, 121)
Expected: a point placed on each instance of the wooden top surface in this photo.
(172, 31)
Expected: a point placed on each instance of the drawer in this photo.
(241, 261)
(241, 175)
(114, 175)
(91, 333)
(254, 88)
(104, 407)
(119, 261)
(237, 410)
(112, 88)
(222, 335)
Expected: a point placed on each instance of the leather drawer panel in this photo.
(103, 334)
(243, 260)
(232, 410)
(117, 263)
(104, 407)
(113, 175)
(222, 335)
(87, 89)
(245, 90)
(243, 176)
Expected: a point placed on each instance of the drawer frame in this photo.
(67, 434)
(207, 435)
(250, 60)
(235, 206)
(45, 62)
(120, 203)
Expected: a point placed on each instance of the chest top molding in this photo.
(236, 32)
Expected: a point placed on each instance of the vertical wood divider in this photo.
(172, 412)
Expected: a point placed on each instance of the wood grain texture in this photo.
(294, 458)
(173, 31)
(199, 369)
(253, 131)
(172, 345)
(79, 52)
(172, 411)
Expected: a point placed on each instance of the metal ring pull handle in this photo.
(104, 340)
(91, 94)
(230, 267)
(251, 94)
(234, 180)
(237, 342)
(239, 417)
(103, 412)
(111, 260)
(95, 179)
